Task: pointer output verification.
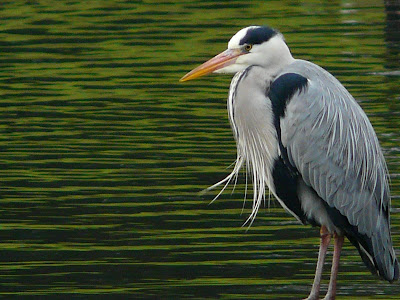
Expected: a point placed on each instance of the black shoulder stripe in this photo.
(282, 89)
(280, 93)
(285, 182)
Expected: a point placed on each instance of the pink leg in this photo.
(335, 267)
(325, 240)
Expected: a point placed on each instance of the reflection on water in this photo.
(103, 152)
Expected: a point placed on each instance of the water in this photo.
(103, 151)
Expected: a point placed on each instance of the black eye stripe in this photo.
(258, 35)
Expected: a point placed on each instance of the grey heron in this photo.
(300, 132)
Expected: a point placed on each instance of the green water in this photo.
(103, 151)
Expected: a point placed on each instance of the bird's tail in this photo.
(378, 254)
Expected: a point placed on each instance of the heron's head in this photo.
(251, 46)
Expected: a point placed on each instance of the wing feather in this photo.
(330, 140)
(332, 144)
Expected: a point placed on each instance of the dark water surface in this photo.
(103, 151)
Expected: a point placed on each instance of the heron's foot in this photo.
(312, 296)
(330, 296)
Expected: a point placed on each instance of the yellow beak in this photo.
(226, 58)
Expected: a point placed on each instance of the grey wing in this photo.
(330, 141)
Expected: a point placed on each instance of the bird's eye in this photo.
(248, 47)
